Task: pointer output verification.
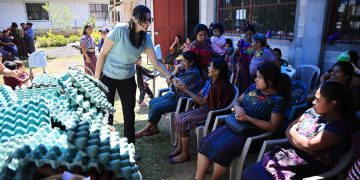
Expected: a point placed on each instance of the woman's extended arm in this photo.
(157, 65)
(108, 44)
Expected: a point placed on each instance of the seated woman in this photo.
(262, 106)
(317, 139)
(188, 73)
(342, 72)
(216, 94)
(174, 51)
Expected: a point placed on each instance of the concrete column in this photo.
(312, 42)
(207, 11)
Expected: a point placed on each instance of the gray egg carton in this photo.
(7, 96)
(29, 93)
(84, 92)
(44, 80)
(24, 118)
(104, 146)
(98, 83)
(45, 147)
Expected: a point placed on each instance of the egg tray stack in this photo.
(98, 83)
(45, 147)
(24, 118)
(84, 92)
(26, 94)
(104, 146)
(7, 96)
(69, 115)
(44, 80)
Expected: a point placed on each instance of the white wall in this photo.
(15, 11)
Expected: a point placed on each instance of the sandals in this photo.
(146, 132)
(172, 160)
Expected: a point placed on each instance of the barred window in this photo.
(99, 11)
(344, 21)
(275, 17)
(35, 11)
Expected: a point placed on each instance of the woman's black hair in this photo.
(139, 13)
(194, 58)
(346, 68)
(218, 26)
(249, 27)
(354, 56)
(279, 81)
(14, 24)
(199, 28)
(180, 38)
(222, 66)
(278, 51)
(335, 91)
(260, 37)
(85, 28)
(229, 42)
(29, 23)
(10, 65)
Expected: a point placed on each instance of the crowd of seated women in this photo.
(317, 138)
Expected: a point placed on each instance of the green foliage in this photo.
(96, 35)
(73, 38)
(53, 40)
(61, 17)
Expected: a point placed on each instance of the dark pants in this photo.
(145, 90)
(127, 92)
(30, 44)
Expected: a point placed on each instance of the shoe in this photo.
(150, 132)
(172, 155)
(139, 135)
(137, 156)
(172, 160)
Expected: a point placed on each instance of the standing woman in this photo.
(242, 57)
(18, 35)
(29, 38)
(88, 44)
(202, 46)
(116, 62)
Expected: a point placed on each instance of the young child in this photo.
(143, 86)
(6, 41)
(23, 79)
(218, 41)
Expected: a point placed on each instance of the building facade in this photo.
(32, 11)
(307, 31)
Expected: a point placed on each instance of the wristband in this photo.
(171, 77)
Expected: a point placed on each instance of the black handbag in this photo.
(239, 127)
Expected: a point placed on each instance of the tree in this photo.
(61, 17)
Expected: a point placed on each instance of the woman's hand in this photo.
(294, 128)
(181, 87)
(179, 66)
(87, 59)
(241, 117)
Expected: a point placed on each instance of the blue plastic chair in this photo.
(299, 92)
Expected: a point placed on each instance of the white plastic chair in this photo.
(309, 74)
(202, 131)
(37, 59)
(158, 53)
(342, 164)
(291, 72)
(237, 164)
